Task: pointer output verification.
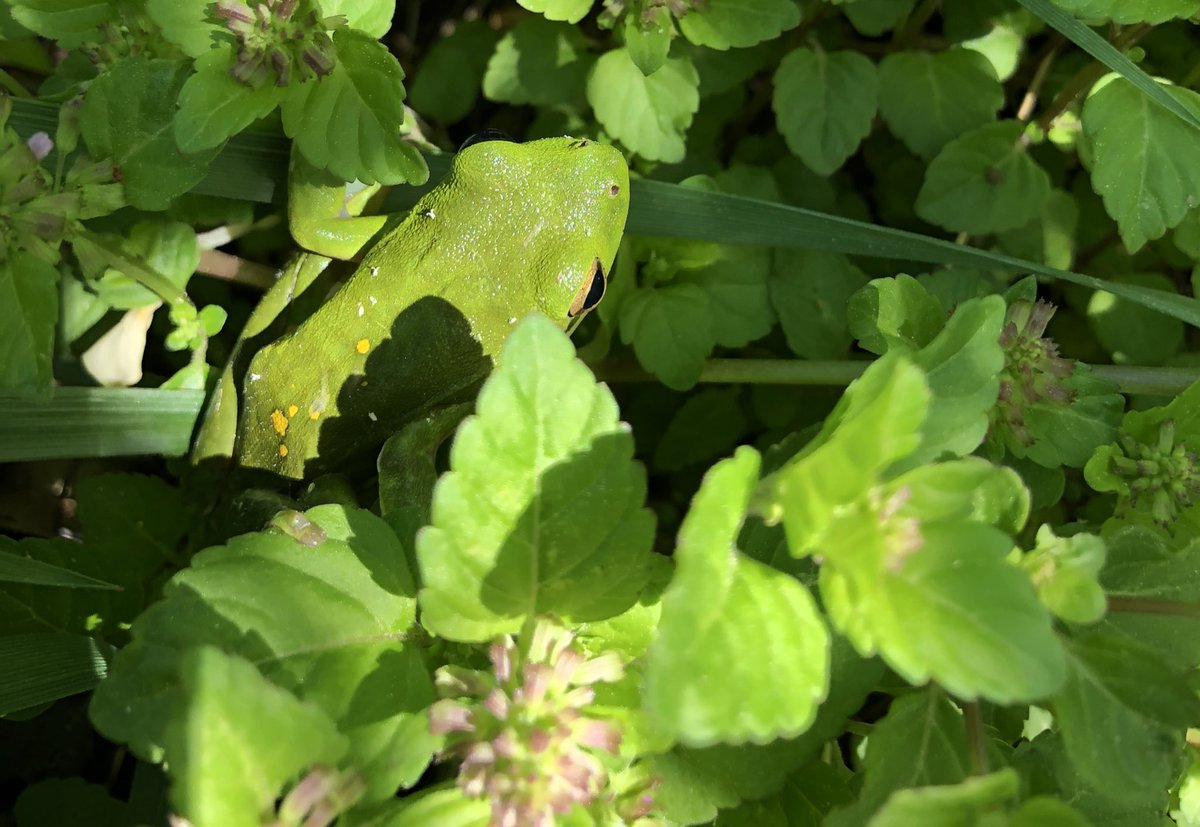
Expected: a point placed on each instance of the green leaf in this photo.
(238, 739)
(928, 99)
(16, 568)
(448, 80)
(1064, 571)
(922, 591)
(41, 668)
(1131, 333)
(804, 801)
(647, 114)
(547, 434)
(649, 42)
(371, 16)
(736, 285)
(330, 630)
(538, 62)
(169, 248)
(444, 807)
(572, 11)
(1048, 238)
(983, 182)
(1130, 11)
(706, 426)
(119, 422)
(876, 422)
(732, 630)
(824, 104)
(350, 121)
(185, 23)
(1122, 713)
(962, 366)
(213, 105)
(966, 803)
(127, 116)
(724, 24)
(925, 718)
(28, 312)
(894, 312)
(69, 801)
(1047, 812)
(874, 17)
(670, 329)
(809, 291)
(1146, 160)
(70, 22)
(1141, 567)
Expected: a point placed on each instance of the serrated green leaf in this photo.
(1130, 11)
(127, 116)
(28, 312)
(647, 114)
(804, 801)
(965, 803)
(185, 23)
(330, 630)
(824, 104)
(448, 80)
(962, 367)
(983, 182)
(538, 62)
(546, 434)
(809, 291)
(894, 312)
(733, 629)
(69, 22)
(238, 739)
(213, 105)
(670, 329)
(1122, 713)
(969, 488)
(350, 121)
(572, 11)
(926, 718)
(876, 423)
(724, 24)
(44, 667)
(1146, 160)
(928, 99)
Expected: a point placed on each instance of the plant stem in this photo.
(1152, 606)
(916, 21)
(1156, 381)
(1029, 101)
(13, 85)
(1085, 77)
(135, 268)
(976, 738)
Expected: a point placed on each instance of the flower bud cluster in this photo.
(277, 40)
(1033, 371)
(1165, 472)
(523, 733)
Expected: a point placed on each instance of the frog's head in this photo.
(561, 203)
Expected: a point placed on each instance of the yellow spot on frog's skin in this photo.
(314, 415)
(363, 345)
(279, 422)
(292, 411)
(282, 451)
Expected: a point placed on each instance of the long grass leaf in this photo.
(43, 667)
(17, 569)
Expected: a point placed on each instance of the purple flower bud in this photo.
(40, 145)
(447, 716)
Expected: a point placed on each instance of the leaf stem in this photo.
(1155, 381)
(1087, 76)
(1029, 101)
(135, 268)
(976, 738)
(916, 21)
(1152, 605)
(13, 85)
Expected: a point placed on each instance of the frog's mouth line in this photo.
(590, 292)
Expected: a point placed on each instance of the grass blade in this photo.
(15, 568)
(43, 667)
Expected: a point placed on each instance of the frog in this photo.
(512, 229)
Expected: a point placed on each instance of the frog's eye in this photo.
(485, 135)
(590, 292)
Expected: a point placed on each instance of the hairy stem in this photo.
(1153, 606)
(976, 738)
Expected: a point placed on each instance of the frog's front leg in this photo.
(325, 212)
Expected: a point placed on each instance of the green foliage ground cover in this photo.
(888, 520)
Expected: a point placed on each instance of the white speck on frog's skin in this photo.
(513, 320)
(361, 309)
(371, 416)
(429, 214)
(254, 377)
(373, 300)
(374, 272)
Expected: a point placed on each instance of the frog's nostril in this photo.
(614, 190)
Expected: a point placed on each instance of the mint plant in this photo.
(868, 495)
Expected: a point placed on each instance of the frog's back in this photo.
(418, 324)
